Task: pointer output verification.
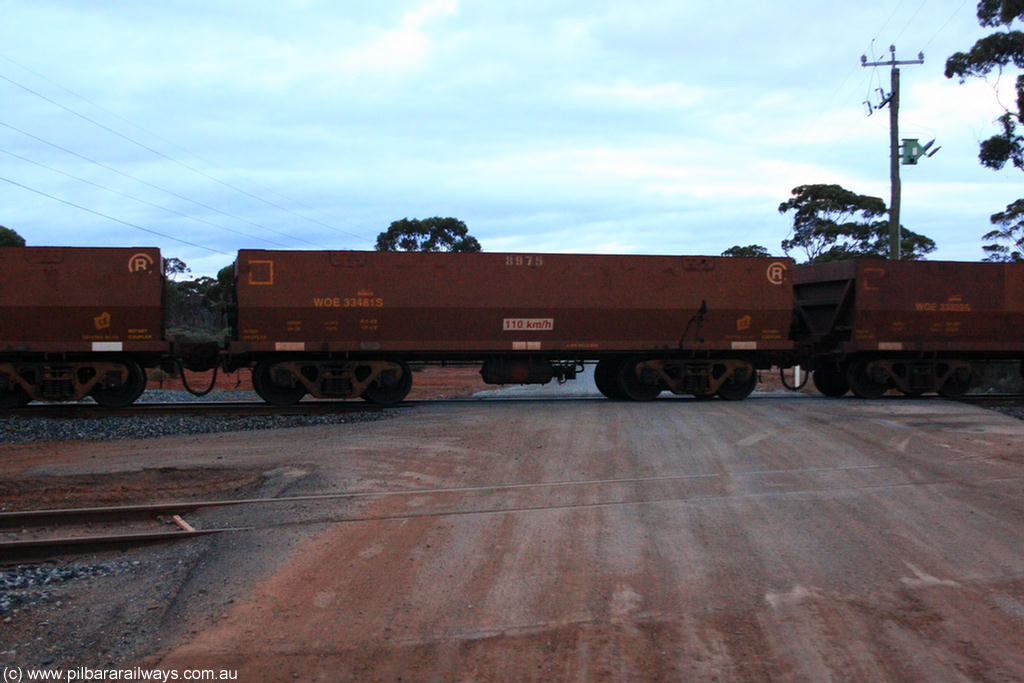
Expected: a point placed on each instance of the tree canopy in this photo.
(747, 251)
(1007, 241)
(173, 267)
(430, 234)
(831, 223)
(196, 308)
(9, 238)
(994, 53)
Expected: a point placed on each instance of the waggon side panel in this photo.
(926, 305)
(496, 302)
(78, 300)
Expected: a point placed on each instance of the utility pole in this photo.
(893, 100)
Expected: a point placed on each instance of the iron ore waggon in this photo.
(871, 325)
(79, 321)
(347, 323)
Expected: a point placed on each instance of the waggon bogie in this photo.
(119, 386)
(955, 378)
(732, 379)
(738, 384)
(287, 381)
(830, 379)
(113, 382)
(867, 379)
(870, 376)
(277, 384)
(391, 385)
(12, 394)
(638, 380)
(606, 377)
(910, 326)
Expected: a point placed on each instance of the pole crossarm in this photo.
(892, 62)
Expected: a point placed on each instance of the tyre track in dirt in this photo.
(783, 541)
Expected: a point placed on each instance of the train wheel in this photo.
(860, 381)
(15, 397)
(389, 395)
(830, 381)
(630, 384)
(272, 389)
(124, 395)
(737, 390)
(957, 384)
(606, 378)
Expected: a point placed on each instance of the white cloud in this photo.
(946, 108)
(556, 125)
(400, 49)
(670, 95)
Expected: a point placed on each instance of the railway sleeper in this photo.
(110, 383)
(377, 381)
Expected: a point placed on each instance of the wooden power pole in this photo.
(893, 100)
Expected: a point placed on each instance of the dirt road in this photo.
(781, 538)
(799, 539)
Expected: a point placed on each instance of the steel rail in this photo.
(997, 399)
(329, 407)
(196, 408)
(35, 518)
(12, 552)
(24, 518)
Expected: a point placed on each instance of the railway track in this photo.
(194, 408)
(322, 408)
(53, 533)
(991, 400)
(326, 407)
(38, 534)
(28, 535)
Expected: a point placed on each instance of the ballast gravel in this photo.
(25, 585)
(19, 429)
(1012, 411)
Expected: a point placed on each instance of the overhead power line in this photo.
(111, 218)
(910, 20)
(886, 24)
(173, 160)
(138, 199)
(151, 185)
(944, 25)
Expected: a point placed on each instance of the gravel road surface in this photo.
(777, 539)
(780, 539)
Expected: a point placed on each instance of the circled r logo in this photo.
(776, 272)
(140, 263)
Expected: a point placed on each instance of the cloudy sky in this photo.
(662, 127)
